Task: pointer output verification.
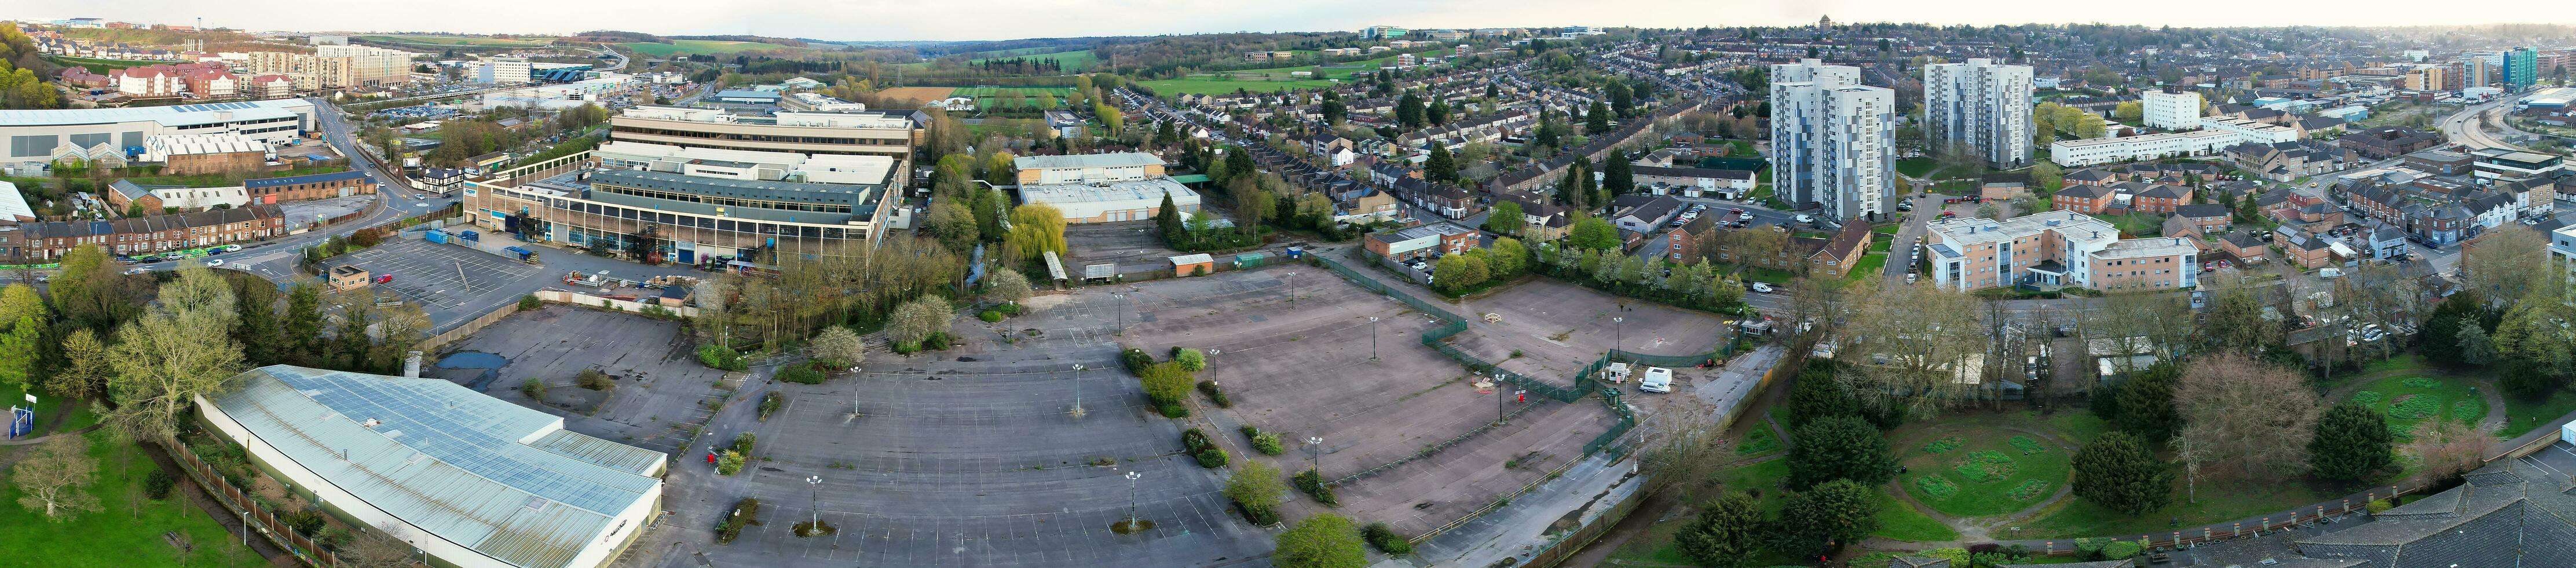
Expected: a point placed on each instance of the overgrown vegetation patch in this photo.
(1943, 445)
(1984, 466)
(2027, 445)
(1936, 486)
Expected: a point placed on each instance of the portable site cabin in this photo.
(1055, 270)
(1200, 264)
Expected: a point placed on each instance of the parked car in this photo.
(1657, 379)
(1804, 218)
(1762, 287)
(383, 278)
(137, 270)
(214, 262)
(1911, 277)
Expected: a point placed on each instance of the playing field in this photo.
(1200, 85)
(460, 40)
(1071, 60)
(917, 93)
(699, 47)
(1015, 97)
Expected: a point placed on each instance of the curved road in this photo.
(2465, 127)
(275, 259)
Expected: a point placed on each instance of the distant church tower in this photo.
(1824, 23)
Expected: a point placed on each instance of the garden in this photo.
(2410, 401)
(1977, 471)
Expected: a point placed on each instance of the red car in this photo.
(384, 279)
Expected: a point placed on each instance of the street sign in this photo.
(31, 398)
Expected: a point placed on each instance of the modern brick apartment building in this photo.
(2055, 249)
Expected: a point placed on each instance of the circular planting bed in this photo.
(1976, 472)
(2411, 401)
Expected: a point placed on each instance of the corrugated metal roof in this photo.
(1087, 161)
(623, 457)
(454, 462)
(180, 115)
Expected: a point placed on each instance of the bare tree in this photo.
(1920, 344)
(387, 546)
(2252, 419)
(1683, 453)
(2506, 264)
(2448, 448)
(55, 479)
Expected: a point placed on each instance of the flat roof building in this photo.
(38, 135)
(1112, 201)
(468, 479)
(2054, 249)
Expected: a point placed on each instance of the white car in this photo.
(214, 262)
(1658, 379)
(1806, 218)
(1762, 287)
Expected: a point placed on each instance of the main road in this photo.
(2468, 128)
(276, 259)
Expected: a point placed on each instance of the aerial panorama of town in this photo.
(1906, 295)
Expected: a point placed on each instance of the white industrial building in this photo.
(43, 135)
(160, 148)
(2175, 110)
(468, 480)
(504, 71)
(564, 95)
(1983, 105)
(1833, 140)
(2250, 130)
(1112, 201)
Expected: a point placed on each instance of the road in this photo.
(276, 259)
(2466, 127)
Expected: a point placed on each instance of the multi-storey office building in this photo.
(1832, 140)
(702, 186)
(2521, 68)
(1983, 105)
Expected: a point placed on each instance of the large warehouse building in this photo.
(1102, 188)
(469, 480)
(44, 135)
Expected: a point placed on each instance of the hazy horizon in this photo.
(877, 20)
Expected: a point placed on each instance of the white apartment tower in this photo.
(1832, 140)
(2170, 109)
(1983, 105)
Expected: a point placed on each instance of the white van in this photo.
(1658, 379)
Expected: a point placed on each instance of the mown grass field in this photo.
(1213, 85)
(459, 41)
(699, 47)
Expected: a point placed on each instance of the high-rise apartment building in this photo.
(338, 66)
(1983, 105)
(2170, 109)
(1832, 139)
(2521, 68)
(2476, 72)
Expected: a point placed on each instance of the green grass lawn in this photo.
(1073, 61)
(1870, 265)
(1211, 85)
(2219, 502)
(1977, 471)
(1760, 440)
(128, 531)
(2409, 401)
(48, 405)
(1899, 521)
(1895, 520)
(699, 47)
(1917, 167)
(2521, 416)
(2135, 224)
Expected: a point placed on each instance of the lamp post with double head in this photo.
(1077, 390)
(815, 504)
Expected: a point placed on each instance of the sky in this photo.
(1013, 19)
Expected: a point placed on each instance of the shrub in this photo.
(157, 484)
(1011, 309)
(1193, 440)
(1212, 457)
(1313, 484)
(530, 302)
(1190, 359)
(535, 389)
(1268, 444)
(743, 443)
(594, 380)
(769, 403)
(2119, 550)
(1172, 410)
(2090, 549)
(305, 521)
(721, 357)
(730, 462)
(936, 341)
(907, 347)
(1215, 395)
(2377, 506)
(989, 316)
(1385, 540)
(801, 374)
(745, 513)
(1262, 516)
(1136, 361)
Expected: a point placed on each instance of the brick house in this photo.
(1837, 255)
(2202, 219)
(2086, 199)
(2388, 142)
(2245, 246)
(153, 234)
(2161, 199)
(315, 186)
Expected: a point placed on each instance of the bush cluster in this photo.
(1265, 442)
(594, 380)
(157, 484)
(769, 403)
(989, 316)
(721, 357)
(1384, 539)
(801, 374)
(1313, 484)
(1136, 361)
(745, 513)
(1215, 395)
